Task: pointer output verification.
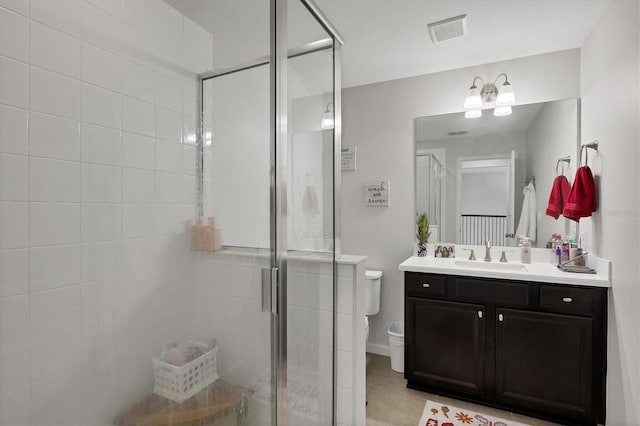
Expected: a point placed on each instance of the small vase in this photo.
(422, 249)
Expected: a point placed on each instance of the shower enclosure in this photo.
(429, 188)
(124, 127)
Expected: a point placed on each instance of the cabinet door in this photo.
(445, 345)
(544, 362)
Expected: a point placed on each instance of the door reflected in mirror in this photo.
(471, 174)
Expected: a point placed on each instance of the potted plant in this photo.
(422, 233)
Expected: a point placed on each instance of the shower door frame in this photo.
(277, 60)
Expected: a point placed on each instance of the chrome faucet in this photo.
(487, 252)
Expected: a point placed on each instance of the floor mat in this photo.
(437, 414)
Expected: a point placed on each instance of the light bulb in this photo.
(505, 95)
(501, 111)
(327, 120)
(473, 113)
(473, 99)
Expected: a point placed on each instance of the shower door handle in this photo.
(270, 290)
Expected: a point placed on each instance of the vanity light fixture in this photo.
(473, 113)
(327, 118)
(489, 96)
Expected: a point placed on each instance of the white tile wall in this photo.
(90, 201)
(14, 405)
(54, 223)
(101, 68)
(14, 35)
(14, 169)
(54, 137)
(13, 130)
(138, 116)
(100, 28)
(101, 145)
(101, 222)
(168, 125)
(14, 272)
(101, 184)
(14, 83)
(14, 320)
(18, 6)
(101, 106)
(55, 50)
(64, 15)
(54, 180)
(54, 266)
(138, 81)
(139, 185)
(54, 94)
(139, 152)
(13, 225)
(14, 366)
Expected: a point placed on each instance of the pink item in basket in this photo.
(176, 356)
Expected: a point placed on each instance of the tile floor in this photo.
(391, 403)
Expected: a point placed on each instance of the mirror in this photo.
(471, 173)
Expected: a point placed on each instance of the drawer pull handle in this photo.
(500, 317)
(426, 285)
(480, 314)
(567, 299)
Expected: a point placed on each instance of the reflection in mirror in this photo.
(471, 173)
(430, 173)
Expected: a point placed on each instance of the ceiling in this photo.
(388, 39)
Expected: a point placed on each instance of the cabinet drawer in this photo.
(569, 300)
(425, 284)
(511, 293)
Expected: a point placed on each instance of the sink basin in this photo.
(496, 266)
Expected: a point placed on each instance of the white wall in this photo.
(379, 119)
(96, 98)
(610, 99)
(552, 135)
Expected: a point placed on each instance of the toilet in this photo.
(371, 297)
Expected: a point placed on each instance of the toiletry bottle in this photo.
(558, 256)
(580, 260)
(565, 252)
(525, 250)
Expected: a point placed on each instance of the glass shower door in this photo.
(268, 178)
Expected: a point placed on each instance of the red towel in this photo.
(558, 196)
(582, 199)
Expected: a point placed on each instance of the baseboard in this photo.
(378, 349)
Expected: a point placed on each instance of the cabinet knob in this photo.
(480, 314)
(500, 317)
(426, 285)
(567, 299)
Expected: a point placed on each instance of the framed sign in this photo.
(348, 158)
(377, 194)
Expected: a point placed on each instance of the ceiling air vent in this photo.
(448, 28)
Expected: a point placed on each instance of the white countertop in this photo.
(535, 271)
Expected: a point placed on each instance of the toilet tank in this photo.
(372, 292)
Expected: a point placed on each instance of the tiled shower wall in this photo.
(97, 165)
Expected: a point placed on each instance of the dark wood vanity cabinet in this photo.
(447, 344)
(534, 348)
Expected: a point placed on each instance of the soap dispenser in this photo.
(525, 249)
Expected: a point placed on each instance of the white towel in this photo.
(527, 224)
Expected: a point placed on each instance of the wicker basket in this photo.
(179, 383)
